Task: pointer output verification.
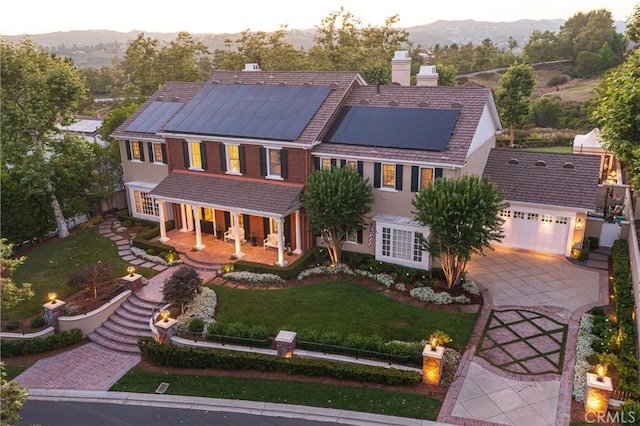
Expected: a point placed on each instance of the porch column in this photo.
(281, 261)
(199, 245)
(298, 249)
(236, 229)
(163, 228)
(215, 234)
(191, 213)
(183, 217)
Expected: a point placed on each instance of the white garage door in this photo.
(535, 230)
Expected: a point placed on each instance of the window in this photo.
(389, 176)
(561, 220)
(274, 163)
(233, 159)
(325, 164)
(273, 225)
(547, 218)
(401, 244)
(532, 216)
(135, 151)
(352, 164)
(426, 177)
(240, 220)
(195, 155)
(352, 237)
(504, 213)
(157, 152)
(518, 215)
(145, 204)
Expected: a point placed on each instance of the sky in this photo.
(227, 16)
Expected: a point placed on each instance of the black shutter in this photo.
(243, 161)
(127, 145)
(203, 155)
(263, 161)
(265, 226)
(377, 171)
(399, 177)
(438, 172)
(316, 163)
(287, 231)
(227, 220)
(415, 178)
(152, 157)
(343, 163)
(247, 225)
(163, 148)
(223, 158)
(361, 168)
(185, 154)
(359, 235)
(141, 146)
(284, 164)
(333, 163)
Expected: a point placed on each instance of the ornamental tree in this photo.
(11, 292)
(182, 286)
(336, 201)
(462, 216)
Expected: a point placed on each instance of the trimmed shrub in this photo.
(43, 344)
(196, 325)
(38, 322)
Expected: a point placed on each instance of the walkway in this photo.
(518, 368)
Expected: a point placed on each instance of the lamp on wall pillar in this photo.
(579, 223)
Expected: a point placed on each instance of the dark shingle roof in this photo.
(545, 178)
(171, 92)
(471, 102)
(220, 191)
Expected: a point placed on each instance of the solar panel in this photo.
(250, 111)
(152, 118)
(414, 128)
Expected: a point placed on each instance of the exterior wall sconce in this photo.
(579, 224)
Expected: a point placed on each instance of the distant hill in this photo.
(94, 48)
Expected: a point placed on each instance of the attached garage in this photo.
(549, 195)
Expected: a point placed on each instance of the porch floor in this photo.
(218, 252)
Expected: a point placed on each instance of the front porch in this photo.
(218, 252)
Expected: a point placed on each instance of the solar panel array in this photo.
(392, 127)
(250, 111)
(152, 118)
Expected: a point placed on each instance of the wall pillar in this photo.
(199, 245)
(298, 249)
(166, 330)
(598, 394)
(432, 364)
(286, 343)
(163, 219)
(53, 310)
(281, 261)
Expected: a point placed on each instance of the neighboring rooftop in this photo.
(565, 180)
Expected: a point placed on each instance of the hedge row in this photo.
(287, 272)
(188, 357)
(623, 288)
(143, 239)
(43, 344)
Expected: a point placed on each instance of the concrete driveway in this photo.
(529, 279)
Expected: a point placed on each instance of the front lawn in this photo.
(47, 268)
(362, 399)
(341, 306)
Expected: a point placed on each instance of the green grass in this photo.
(558, 149)
(48, 267)
(341, 306)
(14, 371)
(369, 400)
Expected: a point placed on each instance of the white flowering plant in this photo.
(339, 268)
(251, 277)
(470, 287)
(203, 306)
(138, 252)
(583, 351)
(427, 294)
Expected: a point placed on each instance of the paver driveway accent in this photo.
(529, 298)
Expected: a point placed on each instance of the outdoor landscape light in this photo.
(164, 314)
(131, 269)
(434, 343)
(601, 371)
(579, 224)
(52, 296)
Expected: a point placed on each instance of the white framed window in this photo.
(426, 177)
(240, 220)
(136, 151)
(158, 153)
(273, 225)
(562, 220)
(388, 176)
(518, 215)
(195, 156)
(532, 216)
(401, 245)
(233, 159)
(351, 237)
(547, 218)
(274, 163)
(504, 214)
(325, 164)
(352, 164)
(144, 204)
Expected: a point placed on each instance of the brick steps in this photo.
(125, 326)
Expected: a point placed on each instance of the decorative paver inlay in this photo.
(523, 342)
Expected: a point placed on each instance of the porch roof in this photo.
(245, 195)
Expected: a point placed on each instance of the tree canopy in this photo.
(462, 216)
(10, 292)
(182, 286)
(513, 96)
(336, 201)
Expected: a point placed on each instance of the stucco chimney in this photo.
(401, 68)
(427, 76)
(251, 67)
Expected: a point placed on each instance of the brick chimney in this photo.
(401, 68)
(251, 67)
(427, 76)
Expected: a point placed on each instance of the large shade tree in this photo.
(336, 201)
(513, 96)
(617, 113)
(462, 216)
(37, 91)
